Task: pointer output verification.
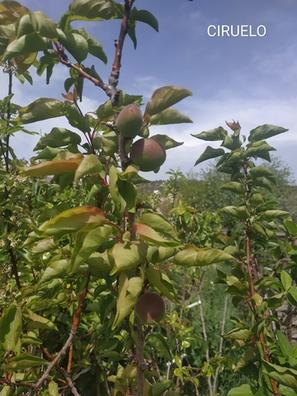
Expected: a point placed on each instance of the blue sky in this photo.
(253, 80)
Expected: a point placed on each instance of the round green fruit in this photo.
(147, 154)
(129, 121)
(150, 307)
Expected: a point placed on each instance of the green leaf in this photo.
(99, 264)
(291, 227)
(292, 295)
(212, 135)
(6, 391)
(232, 142)
(75, 118)
(209, 153)
(146, 17)
(265, 131)
(89, 165)
(242, 390)
(24, 361)
(286, 280)
(236, 211)
(160, 282)
(41, 109)
(36, 22)
(284, 344)
(239, 334)
(165, 97)
(75, 43)
(235, 187)
(158, 223)
(273, 214)
(285, 391)
(11, 11)
(167, 142)
(169, 116)
(53, 388)
(88, 240)
(198, 257)
(149, 234)
(10, 327)
(38, 322)
(94, 47)
(259, 149)
(114, 189)
(125, 257)
(283, 375)
(129, 290)
(56, 269)
(29, 43)
(72, 220)
(92, 10)
(132, 30)
(128, 192)
(54, 167)
(160, 345)
(262, 171)
(58, 137)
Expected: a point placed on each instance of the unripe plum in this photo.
(147, 154)
(150, 307)
(129, 121)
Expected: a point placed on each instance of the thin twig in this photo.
(70, 357)
(216, 376)
(204, 332)
(70, 383)
(74, 327)
(68, 379)
(141, 366)
(63, 58)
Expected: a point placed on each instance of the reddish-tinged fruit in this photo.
(147, 154)
(129, 121)
(150, 307)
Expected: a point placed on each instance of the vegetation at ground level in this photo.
(113, 285)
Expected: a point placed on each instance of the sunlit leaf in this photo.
(24, 361)
(265, 131)
(129, 290)
(10, 327)
(212, 135)
(165, 97)
(56, 269)
(41, 109)
(149, 234)
(54, 167)
(125, 257)
(89, 165)
(198, 257)
(72, 220)
(88, 240)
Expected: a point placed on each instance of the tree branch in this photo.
(68, 379)
(119, 44)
